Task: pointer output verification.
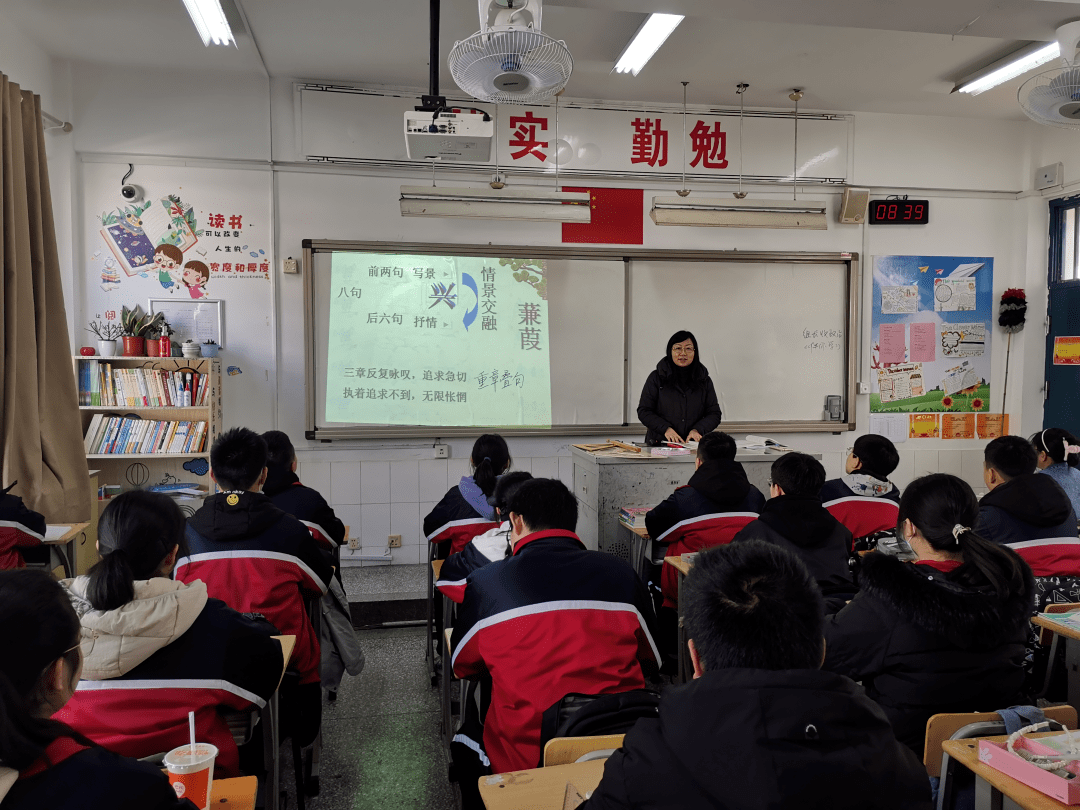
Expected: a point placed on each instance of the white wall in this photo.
(971, 170)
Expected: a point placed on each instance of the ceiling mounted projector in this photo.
(454, 134)
(1053, 96)
(510, 60)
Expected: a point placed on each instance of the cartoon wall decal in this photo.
(167, 261)
(197, 466)
(196, 276)
(133, 233)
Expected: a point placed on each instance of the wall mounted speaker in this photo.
(853, 206)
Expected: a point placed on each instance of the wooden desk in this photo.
(1071, 638)
(62, 546)
(992, 784)
(234, 794)
(270, 715)
(686, 667)
(540, 788)
(436, 568)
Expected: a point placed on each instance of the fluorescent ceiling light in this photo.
(1012, 66)
(719, 212)
(210, 21)
(532, 203)
(646, 42)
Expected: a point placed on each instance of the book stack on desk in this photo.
(633, 516)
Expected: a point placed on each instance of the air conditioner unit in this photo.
(529, 203)
(449, 135)
(719, 212)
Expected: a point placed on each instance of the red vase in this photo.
(134, 346)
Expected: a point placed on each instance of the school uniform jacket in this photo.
(257, 559)
(803, 526)
(74, 776)
(455, 521)
(305, 504)
(552, 619)
(753, 739)
(485, 548)
(20, 527)
(169, 651)
(923, 640)
(1033, 516)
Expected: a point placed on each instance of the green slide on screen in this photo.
(438, 340)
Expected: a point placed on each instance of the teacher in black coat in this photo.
(678, 402)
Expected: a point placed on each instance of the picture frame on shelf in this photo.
(198, 320)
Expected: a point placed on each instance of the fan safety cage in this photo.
(511, 66)
(1053, 98)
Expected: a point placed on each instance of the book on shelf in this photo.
(114, 435)
(102, 385)
(633, 516)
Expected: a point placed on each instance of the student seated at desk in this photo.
(489, 547)
(44, 763)
(552, 619)
(760, 725)
(283, 488)
(20, 528)
(1058, 455)
(155, 649)
(945, 633)
(866, 471)
(794, 518)
(257, 559)
(465, 510)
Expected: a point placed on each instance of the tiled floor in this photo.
(385, 582)
(381, 742)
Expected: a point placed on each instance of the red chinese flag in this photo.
(617, 217)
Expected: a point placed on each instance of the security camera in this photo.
(131, 193)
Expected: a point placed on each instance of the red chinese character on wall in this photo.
(235, 223)
(710, 146)
(216, 220)
(227, 267)
(214, 267)
(110, 315)
(650, 142)
(264, 267)
(253, 267)
(524, 136)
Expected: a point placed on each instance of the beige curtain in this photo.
(40, 429)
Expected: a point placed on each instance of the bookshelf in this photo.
(173, 434)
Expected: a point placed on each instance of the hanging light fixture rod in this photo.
(740, 90)
(682, 192)
(795, 95)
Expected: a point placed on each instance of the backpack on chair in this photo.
(580, 715)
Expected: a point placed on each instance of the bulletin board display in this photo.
(931, 334)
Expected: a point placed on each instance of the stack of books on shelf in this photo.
(116, 435)
(102, 385)
(633, 516)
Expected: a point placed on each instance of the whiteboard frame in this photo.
(315, 432)
(169, 306)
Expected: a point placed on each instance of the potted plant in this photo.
(190, 349)
(107, 333)
(154, 329)
(133, 323)
(210, 348)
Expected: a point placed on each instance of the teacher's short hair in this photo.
(753, 605)
(798, 474)
(545, 503)
(716, 446)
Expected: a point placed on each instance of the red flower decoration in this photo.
(947, 401)
(976, 404)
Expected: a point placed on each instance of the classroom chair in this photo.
(695, 534)
(564, 750)
(964, 726)
(863, 516)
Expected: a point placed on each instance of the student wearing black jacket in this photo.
(43, 763)
(760, 725)
(793, 518)
(678, 401)
(945, 633)
(283, 488)
(866, 471)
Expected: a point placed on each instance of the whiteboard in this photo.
(773, 336)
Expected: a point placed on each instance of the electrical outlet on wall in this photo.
(395, 541)
(442, 451)
(354, 543)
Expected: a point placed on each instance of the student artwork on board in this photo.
(931, 334)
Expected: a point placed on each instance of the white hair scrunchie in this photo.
(1069, 448)
(958, 530)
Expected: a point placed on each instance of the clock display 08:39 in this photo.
(899, 212)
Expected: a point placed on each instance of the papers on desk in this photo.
(762, 443)
(1070, 619)
(54, 533)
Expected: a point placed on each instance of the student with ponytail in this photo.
(44, 763)
(1058, 455)
(465, 510)
(155, 649)
(945, 633)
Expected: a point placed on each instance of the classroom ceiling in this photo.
(859, 55)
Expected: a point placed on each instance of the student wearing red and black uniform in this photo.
(943, 634)
(155, 649)
(20, 528)
(552, 619)
(713, 506)
(491, 546)
(283, 488)
(44, 763)
(760, 725)
(257, 559)
(465, 510)
(794, 518)
(866, 471)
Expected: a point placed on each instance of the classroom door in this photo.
(1062, 405)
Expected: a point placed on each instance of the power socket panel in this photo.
(354, 543)
(394, 541)
(441, 451)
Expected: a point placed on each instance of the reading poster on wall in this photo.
(931, 332)
(458, 340)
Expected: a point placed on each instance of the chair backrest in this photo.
(1046, 635)
(705, 531)
(460, 532)
(942, 727)
(1050, 556)
(564, 750)
(863, 516)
